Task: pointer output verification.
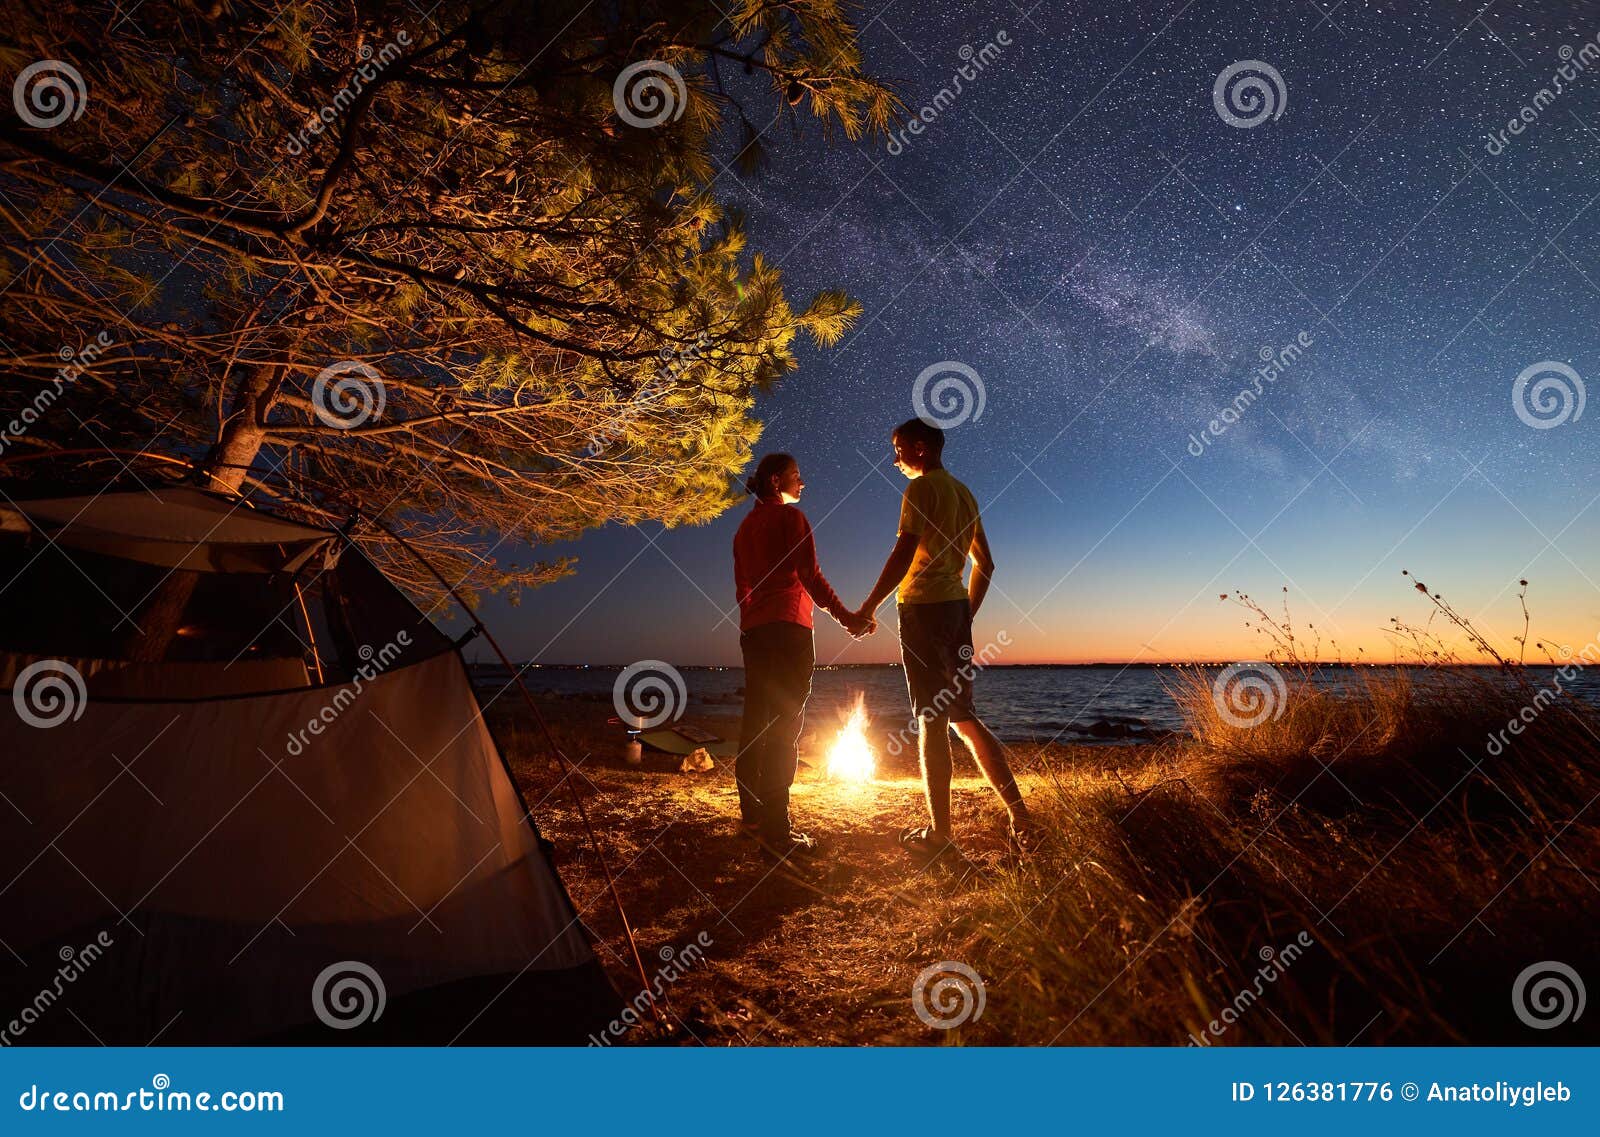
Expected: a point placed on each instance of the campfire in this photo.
(850, 758)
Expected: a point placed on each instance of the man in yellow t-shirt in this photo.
(940, 530)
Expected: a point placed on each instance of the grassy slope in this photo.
(1424, 875)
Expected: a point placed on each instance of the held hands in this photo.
(859, 623)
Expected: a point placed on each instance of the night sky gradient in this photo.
(1082, 228)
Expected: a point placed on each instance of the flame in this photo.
(850, 758)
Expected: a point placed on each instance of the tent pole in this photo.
(316, 656)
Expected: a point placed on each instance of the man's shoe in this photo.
(925, 841)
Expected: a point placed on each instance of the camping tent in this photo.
(293, 820)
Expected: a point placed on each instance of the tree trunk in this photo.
(161, 616)
(246, 430)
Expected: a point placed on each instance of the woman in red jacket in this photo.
(776, 574)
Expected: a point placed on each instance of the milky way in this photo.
(1084, 227)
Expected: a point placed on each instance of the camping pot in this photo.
(634, 753)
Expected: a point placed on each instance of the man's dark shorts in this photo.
(936, 648)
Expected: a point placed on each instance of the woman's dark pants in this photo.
(778, 658)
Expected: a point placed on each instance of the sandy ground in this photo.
(785, 964)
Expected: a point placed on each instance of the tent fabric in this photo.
(232, 851)
(210, 837)
(175, 527)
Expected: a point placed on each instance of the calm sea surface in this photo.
(1072, 704)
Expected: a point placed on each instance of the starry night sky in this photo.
(1082, 229)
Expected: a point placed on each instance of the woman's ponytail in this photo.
(771, 466)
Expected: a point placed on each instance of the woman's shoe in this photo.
(794, 847)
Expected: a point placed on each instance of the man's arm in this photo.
(894, 571)
(982, 569)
